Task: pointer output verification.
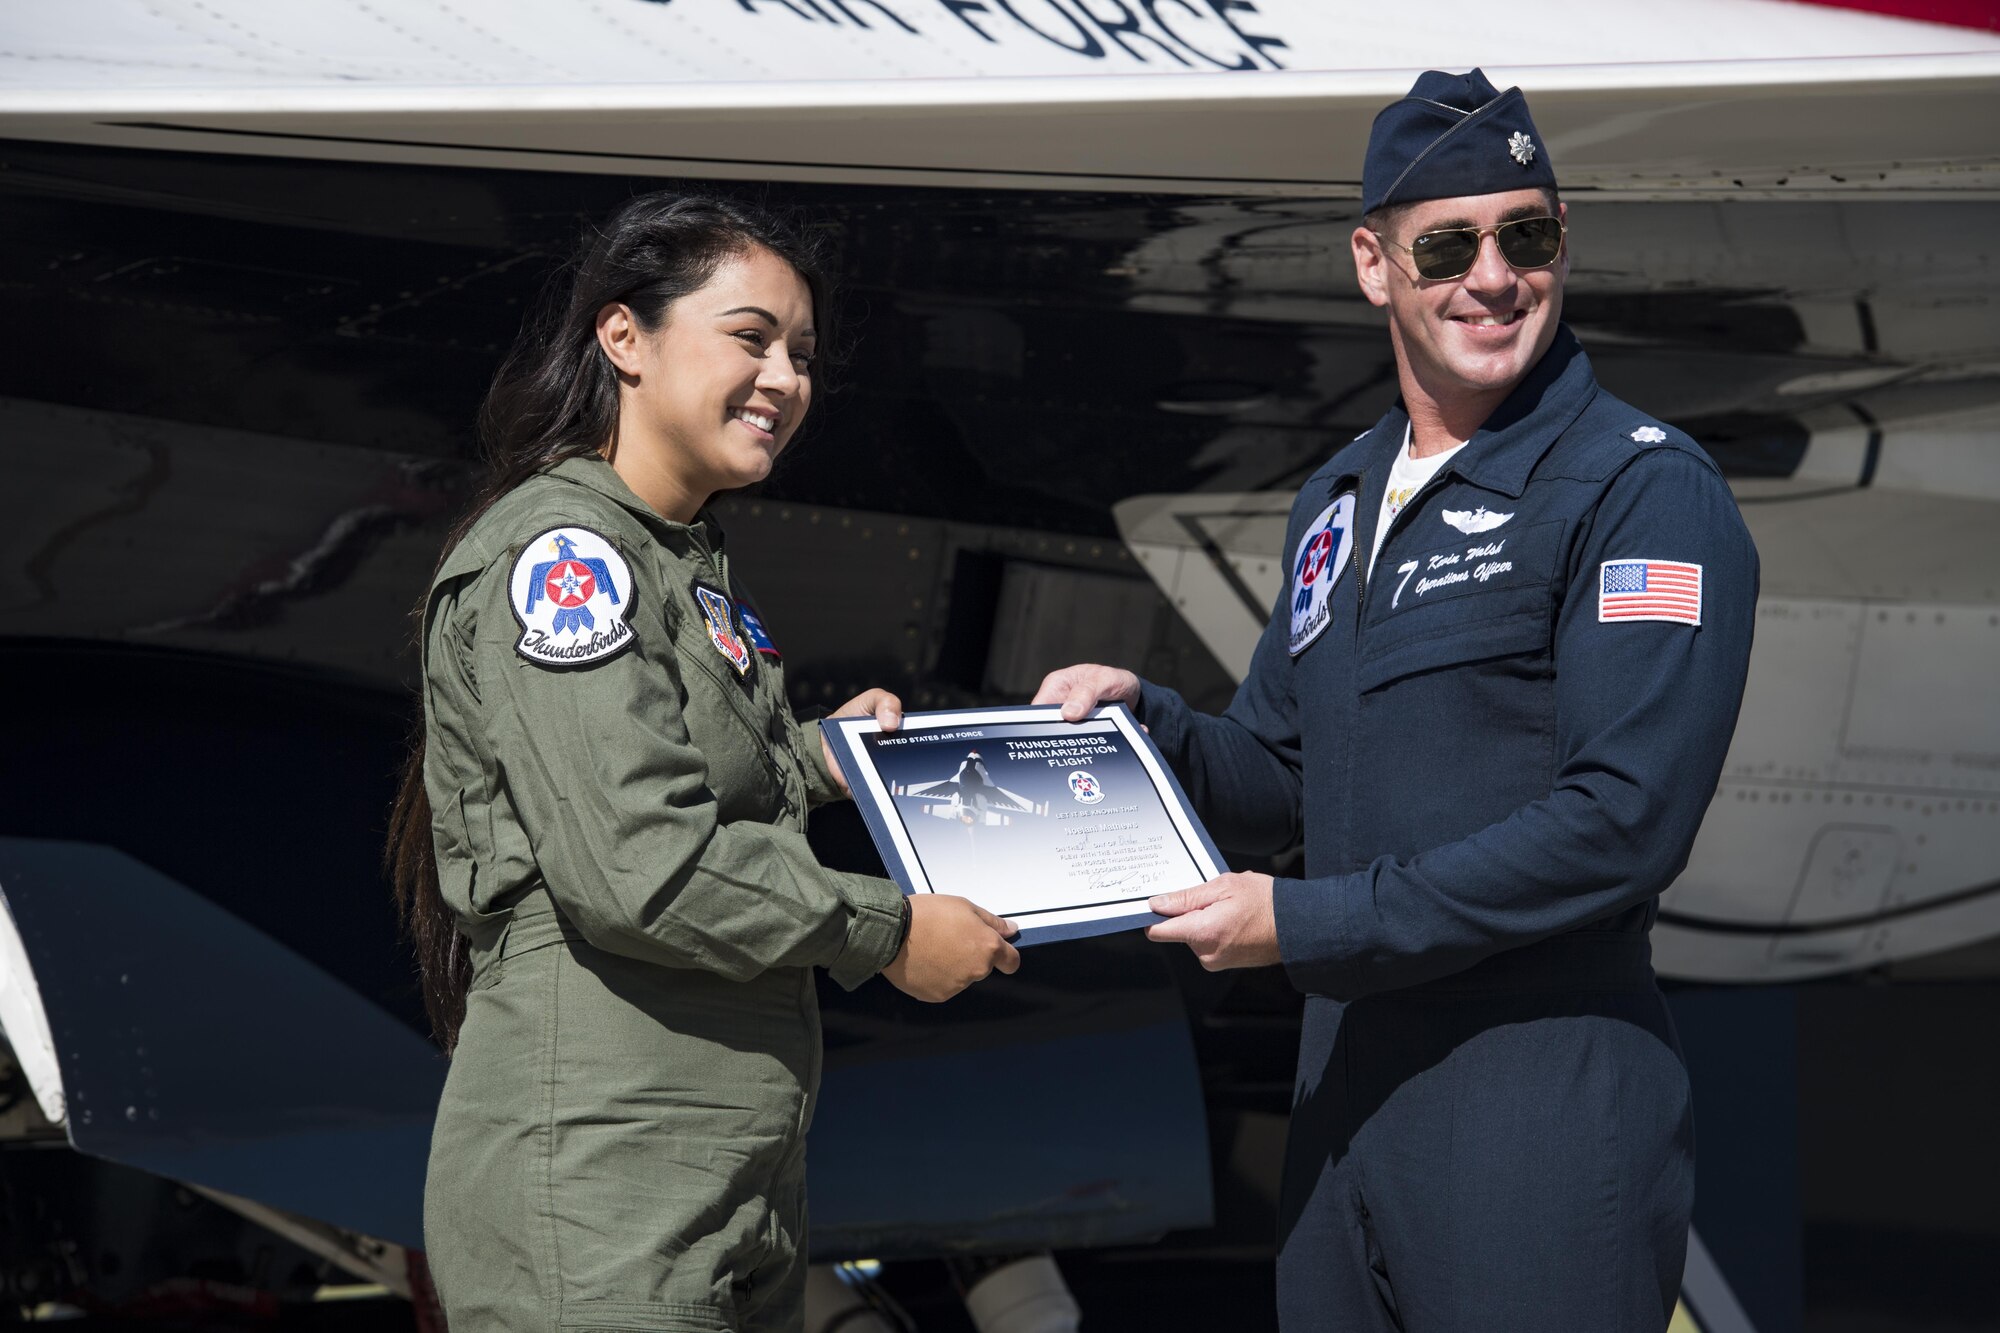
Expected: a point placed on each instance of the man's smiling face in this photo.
(1469, 337)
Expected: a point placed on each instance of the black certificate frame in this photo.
(888, 824)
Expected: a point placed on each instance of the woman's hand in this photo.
(952, 944)
(887, 710)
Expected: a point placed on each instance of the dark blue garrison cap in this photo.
(1453, 134)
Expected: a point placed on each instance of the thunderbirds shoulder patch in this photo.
(572, 592)
(1322, 555)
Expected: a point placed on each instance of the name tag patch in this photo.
(760, 638)
(1649, 590)
(1512, 557)
(1322, 556)
(1478, 564)
(571, 591)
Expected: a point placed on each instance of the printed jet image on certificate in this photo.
(1065, 828)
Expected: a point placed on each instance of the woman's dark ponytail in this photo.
(555, 397)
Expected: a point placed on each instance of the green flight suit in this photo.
(621, 1139)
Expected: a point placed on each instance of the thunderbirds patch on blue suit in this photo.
(1323, 554)
(571, 591)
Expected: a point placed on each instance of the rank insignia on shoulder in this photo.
(715, 605)
(753, 626)
(1649, 590)
(572, 591)
(1649, 435)
(1322, 556)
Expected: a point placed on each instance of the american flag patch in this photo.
(1649, 590)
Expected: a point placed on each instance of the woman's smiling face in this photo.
(709, 399)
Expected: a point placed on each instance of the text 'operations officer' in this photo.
(1493, 700)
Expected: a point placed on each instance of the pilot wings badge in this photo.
(1469, 521)
(571, 591)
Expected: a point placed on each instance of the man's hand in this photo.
(952, 944)
(1228, 922)
(1083, 687)
(887, 710)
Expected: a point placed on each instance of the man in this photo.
(1494, 700)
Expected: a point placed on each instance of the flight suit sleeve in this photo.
(1644, 711)
(821, 785)
(1242, 769)
(616, 803)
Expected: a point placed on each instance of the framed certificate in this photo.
(1064, 828)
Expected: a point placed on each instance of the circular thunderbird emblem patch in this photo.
(571, 591)
(1084, 787)
(1322, 556)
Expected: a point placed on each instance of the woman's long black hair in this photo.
(556, 397)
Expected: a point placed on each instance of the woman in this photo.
(599, 843)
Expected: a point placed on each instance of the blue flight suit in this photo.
(1494, 775)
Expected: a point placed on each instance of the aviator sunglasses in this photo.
(1451, 253)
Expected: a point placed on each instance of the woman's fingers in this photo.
(886, 707)
(1005, 929)
(952, 944)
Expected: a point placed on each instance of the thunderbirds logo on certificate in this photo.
(1085, 787)
(1316, 569)
(571, 591)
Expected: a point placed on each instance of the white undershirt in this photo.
(1406, 477)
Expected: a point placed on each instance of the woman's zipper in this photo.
(720, 564)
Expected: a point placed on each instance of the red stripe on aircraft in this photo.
(1981, 14)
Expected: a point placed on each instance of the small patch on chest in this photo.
(717, 619)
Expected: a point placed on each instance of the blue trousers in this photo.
(1511, 1148)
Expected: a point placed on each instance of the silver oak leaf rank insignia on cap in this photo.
(1521, 148)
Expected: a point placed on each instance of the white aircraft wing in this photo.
(1236, 96)
(1019, 803)
(997, 798)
